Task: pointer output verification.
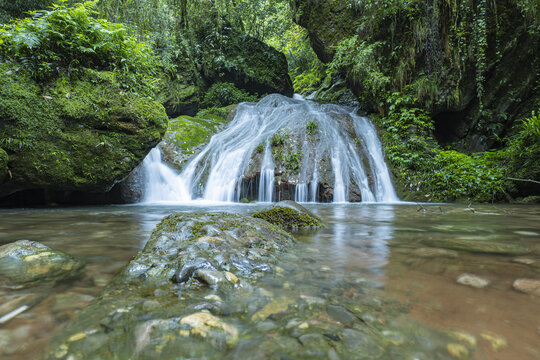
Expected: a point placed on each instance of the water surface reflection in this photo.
(376, 244)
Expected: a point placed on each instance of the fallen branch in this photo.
(525, 180)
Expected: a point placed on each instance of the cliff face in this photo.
(471, 64)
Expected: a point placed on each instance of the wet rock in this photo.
(472, 280)
(274, 307)
(27, 263)
(210, 277)
(165, 299)
(341, 315)
(206, 325)
(314, 342)
(435, 253)
(70, 301)
(458, 351)
(527, 286)
(266, 326)
(290, 215)
(362, 343)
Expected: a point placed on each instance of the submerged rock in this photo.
(290, 215)
(27, 263)
(480, 246)
(472, 280)
(206, 325)
(435, 253)
(527, 286)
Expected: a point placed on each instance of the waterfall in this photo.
(282, 148)
(301, 192)
(162, 183)
(266, 183)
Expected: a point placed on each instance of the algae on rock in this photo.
(187, 135)
(83, 134)
(27, 263)
(290, 215)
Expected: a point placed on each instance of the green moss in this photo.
(228, 55)
(79, 134)
(3, 164)
(224, 94)
(287, 218)
(185, 134)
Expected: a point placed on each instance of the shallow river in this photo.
(383, 246)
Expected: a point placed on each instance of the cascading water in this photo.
(301, 192)
(266, 183)
(284, 148)
(162, 183)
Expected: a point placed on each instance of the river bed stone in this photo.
(527, 286)
(472, 280)
(26, 263)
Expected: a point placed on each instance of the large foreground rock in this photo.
(208, 286)
(84, 134)
(27, 263)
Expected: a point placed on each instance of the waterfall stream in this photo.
(281, 148)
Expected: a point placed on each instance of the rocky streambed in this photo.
(221, 285)
(375, 281)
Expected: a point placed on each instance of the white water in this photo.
(266, 182)
(301, 192)
(162, 183)
(217, 172)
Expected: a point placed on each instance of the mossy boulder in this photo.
(327, 23)
(290, 215)
(245, 61)
(184, 87)
(248, 67)
(187, 135)
(3, 164)
(27, 263)
(84, 133)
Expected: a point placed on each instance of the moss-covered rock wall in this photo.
(471, 64)
(86, 134)
(452, 86)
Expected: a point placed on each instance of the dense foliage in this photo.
(426, 171)
(66, 39)
(224, 94)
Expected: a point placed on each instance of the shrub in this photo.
(63, 39)
(311, 127)
(460, 176)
